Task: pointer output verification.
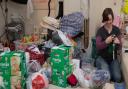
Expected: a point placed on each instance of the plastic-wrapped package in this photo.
(33, 66)
(37, 81)
(72, 24)
(47, 72)
(35, 54)
(88, 71)
(72, 80)
(80, 77)
(100, 77)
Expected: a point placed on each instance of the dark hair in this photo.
(106, 12)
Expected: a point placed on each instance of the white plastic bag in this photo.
(37, 81)
(64, 38)
(33, 66)
(80, 77)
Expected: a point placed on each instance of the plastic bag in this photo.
(80, 77)
(35, 54)
(33, 66)
(47, 72)
(72, 24)
(100, 77)
(88, 71)
(37, 81)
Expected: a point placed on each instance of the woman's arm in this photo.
(100, 44)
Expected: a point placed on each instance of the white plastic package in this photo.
(33, 66)
(37, 81)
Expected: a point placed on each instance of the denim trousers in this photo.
(113, 67)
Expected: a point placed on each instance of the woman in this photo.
(108, 41)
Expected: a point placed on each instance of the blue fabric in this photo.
(113, 67)
(72, 24)
(120, 85)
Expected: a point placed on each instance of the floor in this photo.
(56, 87)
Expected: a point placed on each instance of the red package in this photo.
(38, 82)
(36, 56)
(72, 80)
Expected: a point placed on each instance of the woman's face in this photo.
(110, 20)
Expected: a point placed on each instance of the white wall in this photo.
(71, 6)
(22, 10)
(96, 9)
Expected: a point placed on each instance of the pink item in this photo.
(117, 21)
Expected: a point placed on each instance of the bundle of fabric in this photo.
(49, 23)
(72, 24)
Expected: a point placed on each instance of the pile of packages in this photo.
(60, 61)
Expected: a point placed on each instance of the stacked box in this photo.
(61, 66)
(13, 70)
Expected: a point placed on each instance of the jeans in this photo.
(113, 67)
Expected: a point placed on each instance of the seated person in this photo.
(106, 36)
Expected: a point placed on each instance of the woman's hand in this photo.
(109, 39)
(116, 40)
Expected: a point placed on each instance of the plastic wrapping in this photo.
(35, 54)
(72, 24)
(80, 77)
(33, 66)
(100, 77)
(47, 72)
(37, 81)
(88, 71)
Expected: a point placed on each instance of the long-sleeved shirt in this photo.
(105, 50)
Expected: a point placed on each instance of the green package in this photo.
(59, 80)
(13, 67)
